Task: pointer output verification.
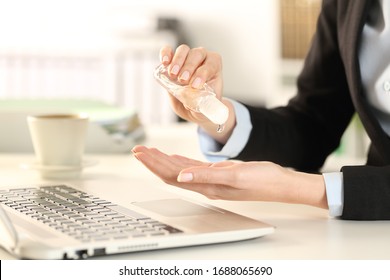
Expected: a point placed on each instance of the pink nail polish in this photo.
(175, 70)
(164, 59)
(185, 76)
(185, 177)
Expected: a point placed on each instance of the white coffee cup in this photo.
(59, 141)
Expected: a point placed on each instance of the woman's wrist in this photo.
(307, 189)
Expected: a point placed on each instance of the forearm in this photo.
(290, 186)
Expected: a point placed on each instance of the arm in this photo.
(366, 192)
(303, 133)
(300, 135)
(257, 181)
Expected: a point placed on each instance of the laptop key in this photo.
(77, 214)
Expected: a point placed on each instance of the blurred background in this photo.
(106, 51)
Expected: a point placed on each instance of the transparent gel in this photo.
(201, 100)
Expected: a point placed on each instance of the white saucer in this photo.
(38, 166)
(59, 171)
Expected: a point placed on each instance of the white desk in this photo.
(302, 232)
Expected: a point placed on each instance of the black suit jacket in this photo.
(303, 133)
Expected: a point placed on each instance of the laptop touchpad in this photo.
(175, 207)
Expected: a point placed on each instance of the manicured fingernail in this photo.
(185, 76)
(175, 69)
(164, 59)
(185, 177)
(196, 83)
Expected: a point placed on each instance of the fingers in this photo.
(217, 181)
(179, 161)
(194, 60)
(213, 180)
(164, 166)
(166, 54)
(191, 66)
(161, 166)
(188, 161)
(178, 60)
(208, 70)
(184, 170)
(220, 174)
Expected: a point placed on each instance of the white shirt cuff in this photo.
(214, 151)
(334, 192)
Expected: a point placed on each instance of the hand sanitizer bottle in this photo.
(202, 100)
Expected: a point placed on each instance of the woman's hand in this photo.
(195, 67)
(231, 180)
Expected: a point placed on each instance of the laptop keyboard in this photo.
(82, 216)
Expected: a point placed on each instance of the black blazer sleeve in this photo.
(303, 133)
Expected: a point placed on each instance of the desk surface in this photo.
(302, 232)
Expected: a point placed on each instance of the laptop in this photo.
(62, 221)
